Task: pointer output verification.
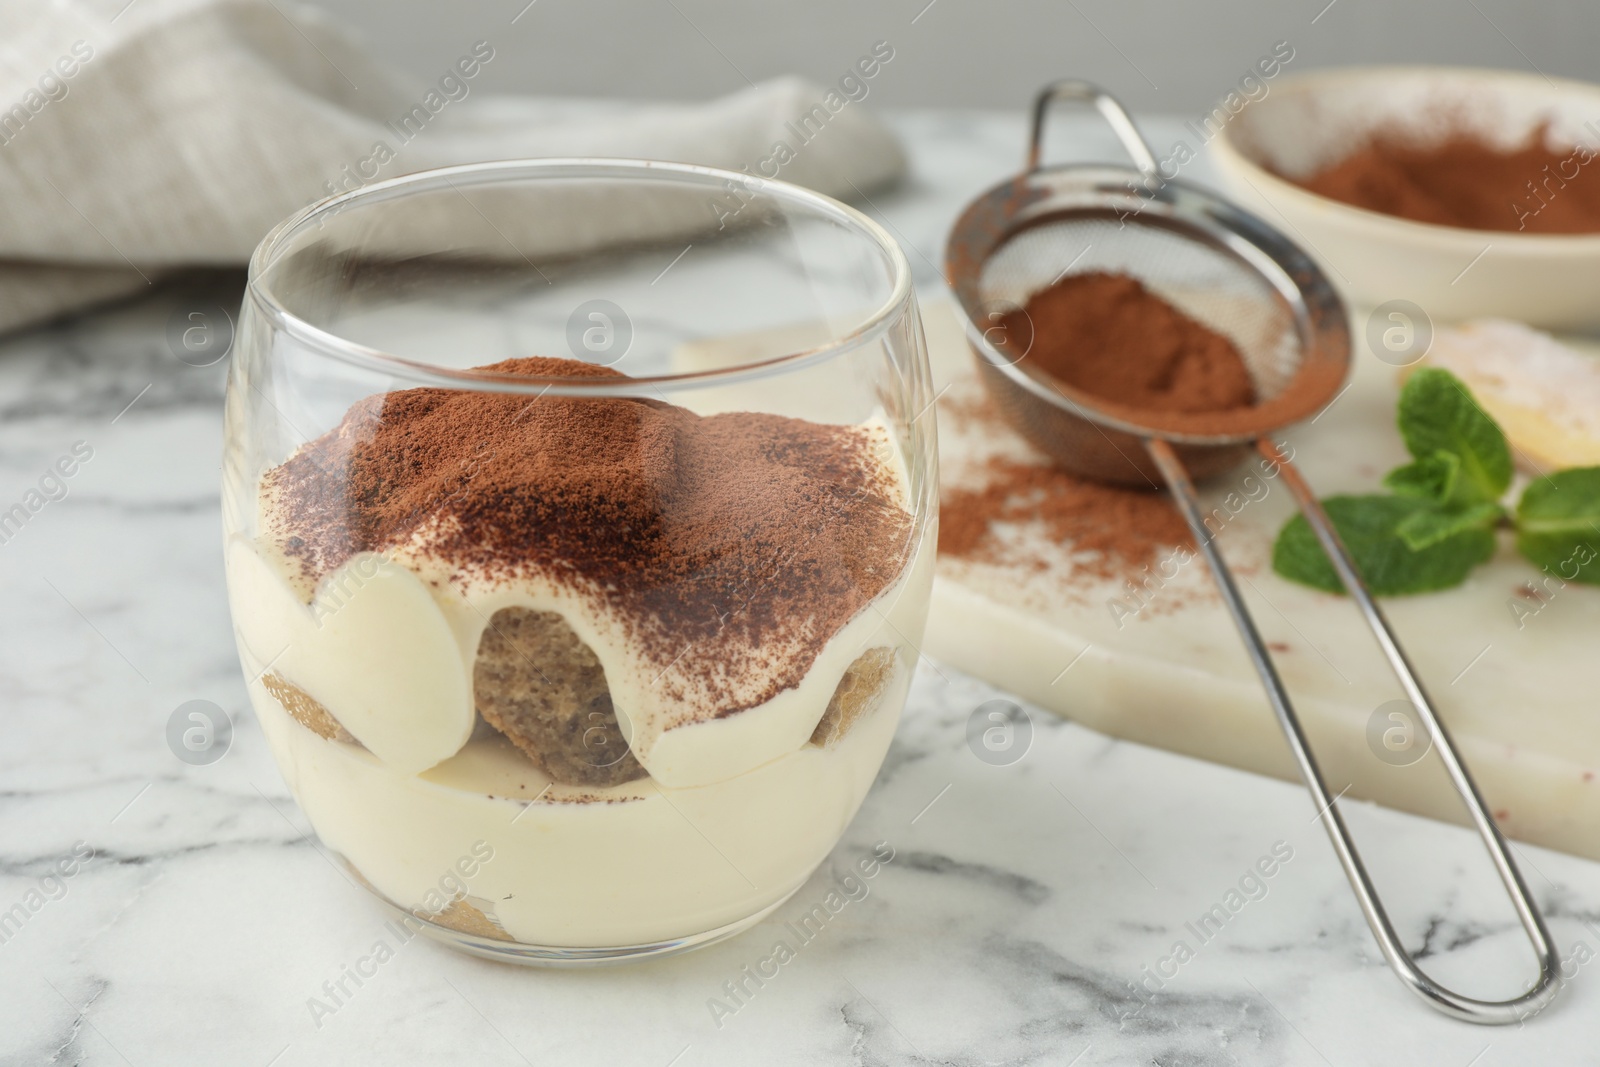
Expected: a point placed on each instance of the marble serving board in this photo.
(1512, 674)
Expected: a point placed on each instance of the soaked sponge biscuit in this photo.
(538, 683)
(863, 683)
(468, 918)
(304, 708)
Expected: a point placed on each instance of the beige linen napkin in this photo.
(139, 137)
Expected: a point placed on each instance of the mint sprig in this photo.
(1440, 522)
(1370, 528)
(1430, 524)
(1442, 424)
(1431, 478)
(1558, 524)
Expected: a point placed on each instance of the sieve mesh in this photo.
(1205, 280)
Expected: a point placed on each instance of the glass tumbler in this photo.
(579, 523)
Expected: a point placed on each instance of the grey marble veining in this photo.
(1032, 913)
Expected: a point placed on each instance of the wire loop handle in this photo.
(1116, 117)
(1436, 996)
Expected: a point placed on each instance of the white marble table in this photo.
(1022, 908)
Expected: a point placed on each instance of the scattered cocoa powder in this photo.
(734, 545)
(1465, 182)
(1114, 532)
(1111, 337)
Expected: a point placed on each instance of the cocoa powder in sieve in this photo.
(1467, 183)
(1111, 337)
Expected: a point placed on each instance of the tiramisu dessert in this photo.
(649, 661)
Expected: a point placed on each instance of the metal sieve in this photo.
(1244, 279)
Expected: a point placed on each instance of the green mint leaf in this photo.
(1437, 414)
(1432, 478)
(1424, 529)
(1368, 525)
(1558, 524)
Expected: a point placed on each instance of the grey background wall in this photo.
(1165, 55)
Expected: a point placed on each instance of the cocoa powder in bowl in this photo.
(1465, 182)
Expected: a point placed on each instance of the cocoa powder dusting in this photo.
(1111, 337)
(734, 545)
(1467, 183)
(1114, 531)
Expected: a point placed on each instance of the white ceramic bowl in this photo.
(1311, 120)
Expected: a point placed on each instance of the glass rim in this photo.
(329, 344)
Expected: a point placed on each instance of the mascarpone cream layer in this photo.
(637, 863)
